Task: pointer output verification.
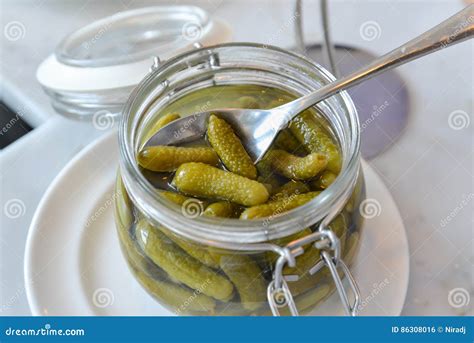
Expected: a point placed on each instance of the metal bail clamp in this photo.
(279, 298)
(278, 293)
(351, 310)
(333, 263)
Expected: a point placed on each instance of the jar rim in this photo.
(219, 232)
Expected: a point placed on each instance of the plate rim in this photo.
(33, 232)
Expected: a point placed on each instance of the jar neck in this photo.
(239, 63)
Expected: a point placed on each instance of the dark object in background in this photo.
(12, 126)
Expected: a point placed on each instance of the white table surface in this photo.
(429, 168)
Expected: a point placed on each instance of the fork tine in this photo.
(180, 131)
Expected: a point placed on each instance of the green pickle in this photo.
(223, 209)
(169, 158)
(309, 132)
(176, 198)
(202, 180)
(290, 188)
(201, 254)
(267, 175)
(217, 175)
(177, 296)
(229, 148)
(286, 141)
(295, 167)
(278, 206)
(324, 181)
(182, 267)
(162, 122)
(249, 102)
(247, 277)
(195, 205)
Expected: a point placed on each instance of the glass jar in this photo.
(232, 266)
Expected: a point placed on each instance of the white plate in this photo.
(74, 266)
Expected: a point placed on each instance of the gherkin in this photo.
(229, 148)
(160, 123)
(289, 188)
(247, 277)
(324, 181)
(202, 180)
(176, 295)
(310, 133)
(169, 158)
(182, 267)
(223, 209)
(295, 167)
(276, 207)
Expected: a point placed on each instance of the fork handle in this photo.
(453, 30)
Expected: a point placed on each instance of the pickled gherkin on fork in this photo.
(309, 132)
(229, 148)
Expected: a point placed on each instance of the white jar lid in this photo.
(95, 67)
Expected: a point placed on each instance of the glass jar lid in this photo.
(96, 67)
(133, 36)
